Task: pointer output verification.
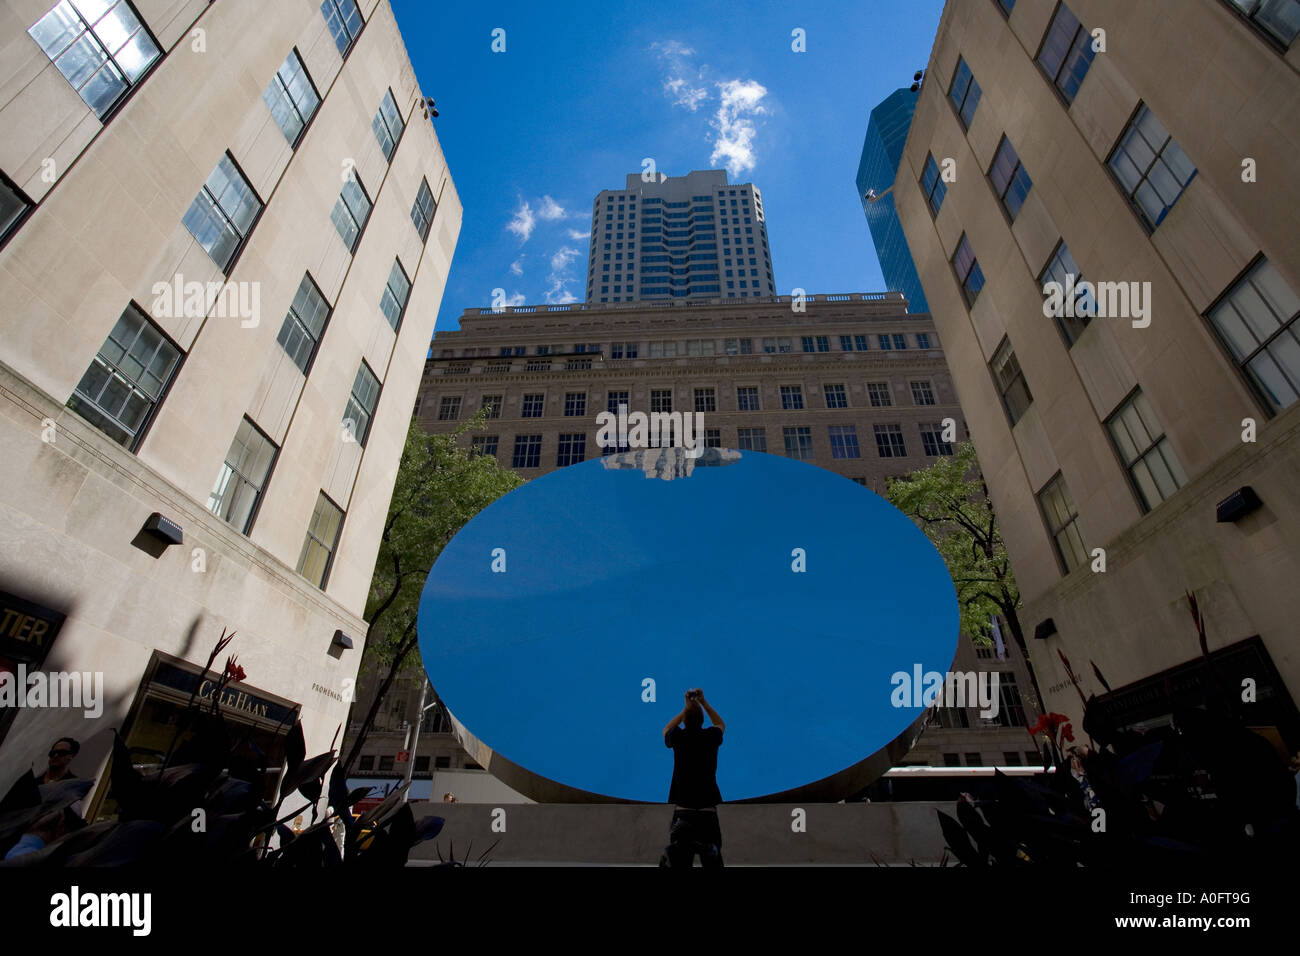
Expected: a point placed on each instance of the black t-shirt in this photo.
(695, 766)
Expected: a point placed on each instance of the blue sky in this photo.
(585, 91)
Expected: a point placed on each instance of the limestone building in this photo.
(1142, 440)
(225, 230)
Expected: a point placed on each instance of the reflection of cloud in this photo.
(734, 146)
(515, 268)
(669, 463)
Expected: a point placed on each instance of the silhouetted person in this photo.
(694, 789)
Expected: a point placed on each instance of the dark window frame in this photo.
(373, 411)
(1042, 70)
(329, 314)
(353, 39)
(361, 228)
(245, 238)
(979, 93)
(143, 431)
(1130, 198)
(1016, 171)
(270, 472)
(333, 549)
(1275, 42)
(320, 100)
(29, 208)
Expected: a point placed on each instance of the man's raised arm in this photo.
(713, 714)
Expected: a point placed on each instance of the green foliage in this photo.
(949, 501)
(440, 486)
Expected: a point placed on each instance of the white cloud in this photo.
(682, 75)
(524, 221)
(558, 293)
(578, 235)
(515, 268)
(740, 101)
(517, 299)
(550, 210)
(560, 261)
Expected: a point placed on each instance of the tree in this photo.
(440, 486)
(950, 502)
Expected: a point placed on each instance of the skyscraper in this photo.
(1140, 438)
(881, 152)
(219, 291)
(692, 236)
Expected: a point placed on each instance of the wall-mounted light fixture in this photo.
(163, 530)
(1238, 504)
(1045, 629)
(341, 640)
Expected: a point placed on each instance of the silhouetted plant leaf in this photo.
(308, 773)
(428, 828)
(958, 841)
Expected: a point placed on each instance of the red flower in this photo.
(233, 671)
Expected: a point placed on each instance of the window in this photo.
(661, 400)
(900, 343)
(614, 399)
(1066, 53)
(484, 445)
(889, 441)
(575, 404)
(423, 210)
(388, 125)
(922, 393)
(351, 211)
(1279, 18)
(223, 213)
(974, 760)
(740, 346)
(663, 349)
(922, 340)
(699, 347)
(1060, 268)
(623, 350)
(368, 762)
(1063, 523)
(100, 47)
(344, 22)
(932, 442)
(421, 764)
(1146, 452)
(396, 291)
(121, 389)
(964, 92)
(304, 324)
(751, 439)
(861, 342)
(844, 442)
(1152, 169)
(771, 346)
(1007, 6)
(531, 406)
(1010, 381)
(572, 449)
(879, 394)
(13, 207)
(291, 98)
(706, 400)
(791, 397)
(713, 438)
(493, 404)
(1009, 179)
(807, 342)
(1256, 320)
(361, 404)
(242, 478)
(969, 274)
(933, 186)
(321, 541)
(798, 443)
(747, 398)
(449, 408)
(528, 452)
(837, 396)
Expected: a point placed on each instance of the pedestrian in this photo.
(61, 754)
(694, 789)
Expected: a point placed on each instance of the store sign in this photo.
(234, 697)
(26, 630)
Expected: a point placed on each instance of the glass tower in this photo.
(881, 153)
